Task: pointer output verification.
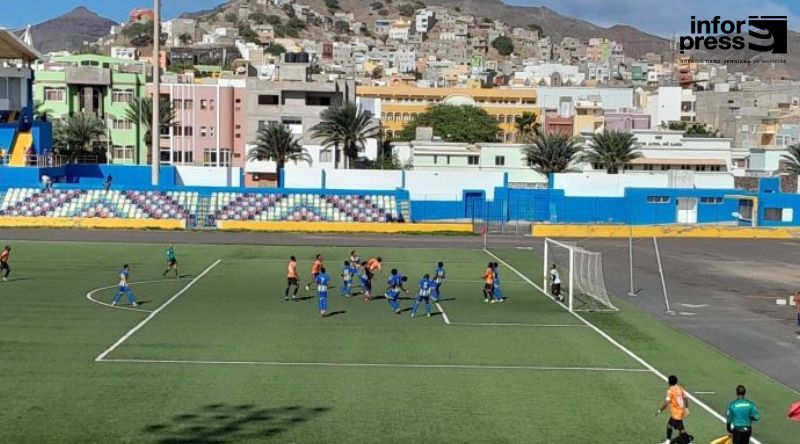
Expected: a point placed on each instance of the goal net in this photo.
(581, 274)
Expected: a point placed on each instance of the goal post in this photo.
(581, 274)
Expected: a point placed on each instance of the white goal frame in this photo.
(570, 274)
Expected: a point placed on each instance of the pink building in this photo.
(555, 124)
(141, 15)
(210, 122)
(626, 121)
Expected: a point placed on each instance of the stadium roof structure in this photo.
(13, 48)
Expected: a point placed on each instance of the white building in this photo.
(663, 105)
(612, 98)
(124, 52)
(424, 21)
(400, 31)
(551, 74)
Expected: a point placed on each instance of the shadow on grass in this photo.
(18, 279)
(219, 423)
(334, 313)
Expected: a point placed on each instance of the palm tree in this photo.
(612, 149)
(78, 134)
(792, 159)
(277, 143)
(551, 153)
(347, 127)
(526, 125)
(40, 112)
(140, 112)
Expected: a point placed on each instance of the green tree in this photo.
(78, 134)
(377, 72)
(247, 34)
(258, 17)
(140, 113)
(276, 49)
(232, 17)
(40, 112)
(273, 20)
(376, 5)
(332, 5)
(551, 153)
(612, 149)
(341, 27)
(453, 123)
(346, 127)
(792, 159)
(526, 124)
(185, 38)
(276, 142)
(383, 12)
(406, 9)
(139, 34)
(504, 45)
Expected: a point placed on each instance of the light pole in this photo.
(155, 143)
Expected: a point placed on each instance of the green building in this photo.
(98, 85)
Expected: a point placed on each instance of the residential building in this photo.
(626, 120)
(177, 27)
(124, 52)
(103, 86)
(424, 21)
(400, 30)
(663, 105)
(548, 74)
(588, 116)
(382, 26)
(551, 98)
(398, 105)
(141, 15)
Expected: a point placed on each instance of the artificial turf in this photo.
(230, 361)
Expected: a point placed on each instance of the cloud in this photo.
(663, 17)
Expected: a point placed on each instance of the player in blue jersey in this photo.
(396, 279)
(124, 287)
(349, 271)
(424, 294)
(497, 292)
(322, 280)
(438, 279)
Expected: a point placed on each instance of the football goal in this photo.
(580, 273)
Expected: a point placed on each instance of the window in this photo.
(211, 132)
(711, 200)
(773, 213)
(211, 104)
(176, 104)
(188, 131)
(210, 157)
(122, 124)
(263, 124)
(203, 104)
(312, 100)
(238, 100)
(389, 117)
(499, 160)
(326, 156)
(435, 159)
(203, 131)
(122, 153)
(52, 94)
(268, 99)
(188, 104)
(658, 199)
(121, 96)
(448, 160)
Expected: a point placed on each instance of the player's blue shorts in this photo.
(421, 298)
(124, 289)
(323, 294)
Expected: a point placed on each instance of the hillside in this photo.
(69, 31)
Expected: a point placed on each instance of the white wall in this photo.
(302, 178)
(199, 176)
(450, 185)
(361, 179)
(613, 185)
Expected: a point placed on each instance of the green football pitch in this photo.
(218, 356)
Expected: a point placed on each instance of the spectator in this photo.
(107, 183)
(47, 182)
(742, 413)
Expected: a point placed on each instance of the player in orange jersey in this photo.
(488, 282)
(678, 403)
(371, 267)
(316, 268)
(5, 255)
(291, 279)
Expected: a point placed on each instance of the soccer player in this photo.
(366, 283)
(488, 283)
(424, 294)
(496, 291)
(172, 262)
(348, 272)
(124, 287)
(392, 295)
(322, 280)
(396, 280)
(291, 279)
(555, 283)
(742, 413)
(438, 279)
(315, 269)
(370, 268)
(5, 255)
(678, 404)
(355, 259)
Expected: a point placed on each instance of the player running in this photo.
(396, 279)
(438, 279)
(291, 279)
(366, 283)
(424, 294)
(5, 255)
(355, 260)
(395, 283)
(348, 272)
(172, 262)
(371, 267)
(496, 291)
(488, 283)
(393, 296)
(315, 270)
(322, 280)
(124, 287)
(555, 283)
(678, 404)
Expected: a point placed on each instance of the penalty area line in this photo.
(616, 343)
(511, 324)
(379, 365)
(153, 314)
(444, 315)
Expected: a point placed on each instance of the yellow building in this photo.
(588, 117)
(400, 104)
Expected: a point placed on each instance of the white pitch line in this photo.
(444, 315)
(153, 314)
(381, 365)
(89, 295)
(613, 341)
(510, 324)
(705, 393)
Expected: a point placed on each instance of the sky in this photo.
(662, 17)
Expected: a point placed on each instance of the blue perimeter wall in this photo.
(637, 206)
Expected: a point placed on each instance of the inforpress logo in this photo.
(766, 33)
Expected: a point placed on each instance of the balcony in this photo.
(87, 75)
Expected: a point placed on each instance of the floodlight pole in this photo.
(155, 132)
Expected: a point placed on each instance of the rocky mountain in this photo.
(69, 31)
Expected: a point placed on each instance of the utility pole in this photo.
(155, 144)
